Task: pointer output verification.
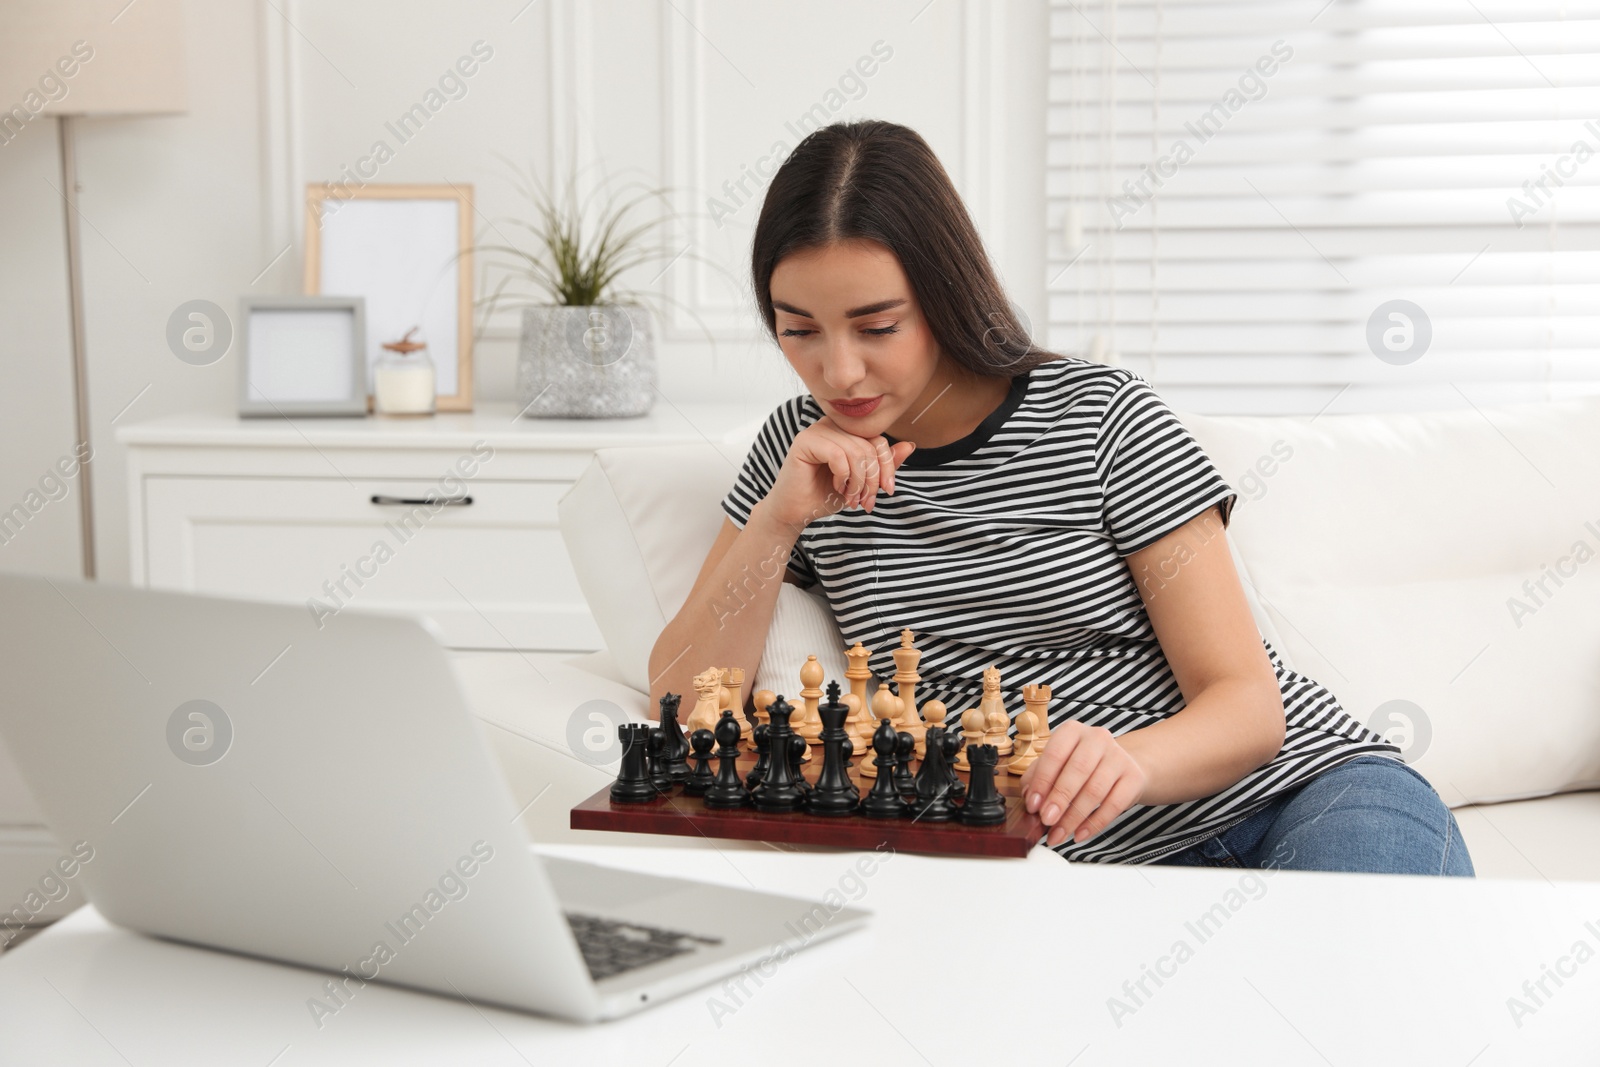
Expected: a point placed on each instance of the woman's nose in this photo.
(842, 366)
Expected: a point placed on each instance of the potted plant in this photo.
(586, 348)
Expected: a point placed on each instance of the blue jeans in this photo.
(1371, 814)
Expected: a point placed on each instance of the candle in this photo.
(403, 379)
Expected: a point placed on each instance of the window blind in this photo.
(1270, 206)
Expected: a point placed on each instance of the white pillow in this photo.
(1387, 550)
(802, 625)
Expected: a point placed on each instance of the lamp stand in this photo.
(80, 365)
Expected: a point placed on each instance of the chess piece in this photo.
(675, 748)
(934, 713)
(726, 791)
(905, 746)
(933, 779)
(700, 778)
(1033, 728)
(884, 801)
(906, 678)
(777, 793)
(985, 806)
(656, 749)
(973, 728)
(798, 747)
(633, 785)
(884, 706)
(810, 726)
(707, 685)
(997, 721)
(858, 674)
(860, 724)
(763, 702)
(763, 743)
(853, 715)
(730, 697)
(834, 793)
(869, 761)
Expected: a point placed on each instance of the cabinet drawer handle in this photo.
(445, 501)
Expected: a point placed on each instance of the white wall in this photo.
(283, 93)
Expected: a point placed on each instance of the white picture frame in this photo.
(302, 355)
(407, 250)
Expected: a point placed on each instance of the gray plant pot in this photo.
(591, 362)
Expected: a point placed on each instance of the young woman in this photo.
(1038, 513)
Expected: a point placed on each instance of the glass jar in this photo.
(403, 379)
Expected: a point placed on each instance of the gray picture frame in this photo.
(342, 395)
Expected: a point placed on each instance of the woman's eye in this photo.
(877, 332)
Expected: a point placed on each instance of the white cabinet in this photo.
(452, 517)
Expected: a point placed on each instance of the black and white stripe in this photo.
(1006, 548)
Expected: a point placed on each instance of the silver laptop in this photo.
(239, 778)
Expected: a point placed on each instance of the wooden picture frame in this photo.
(406, 249)
(302, 355)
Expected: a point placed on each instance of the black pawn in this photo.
(884, 801)
(700, 778)
(797, 772)
(633, 785)
(834, 793)
(727, 791)
(777, 793)
(904, 747)
(933, 781)
(952, 745)
(676, 747)
(656, 748)
(985, 806)
(762, 736)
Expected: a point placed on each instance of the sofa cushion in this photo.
(1440, 573)
(802, 625)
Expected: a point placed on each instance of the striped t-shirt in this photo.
(1006, 548)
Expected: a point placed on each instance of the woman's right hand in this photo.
(828, 469)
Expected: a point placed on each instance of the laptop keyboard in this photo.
(611, 946)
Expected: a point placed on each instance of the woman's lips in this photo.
(857, 408)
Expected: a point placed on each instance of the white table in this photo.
(964, 962)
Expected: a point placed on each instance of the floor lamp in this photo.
(83, 58)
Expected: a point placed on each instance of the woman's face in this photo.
(851, 328)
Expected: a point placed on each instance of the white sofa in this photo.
(1384, 555)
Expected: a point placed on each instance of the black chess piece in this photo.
(905, 746)
(676, 747)
(762, 736)
(777, 792)
(884, 801)
(796, 770)
(985, 806)
(933, 781)
(834, 793)
(633, 785)
(656, 749)
(700, 778)
(952, 745)
(727, 791)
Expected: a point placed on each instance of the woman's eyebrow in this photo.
(853, 313)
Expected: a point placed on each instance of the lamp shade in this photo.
(92, 57)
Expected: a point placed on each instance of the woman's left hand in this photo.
(1081, 781)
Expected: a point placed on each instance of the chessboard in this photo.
(893, 771)
(675, 812)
